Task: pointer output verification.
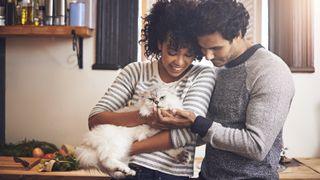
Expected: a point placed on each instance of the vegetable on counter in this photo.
(37, 152)
(25, 148)
(63, 160)
(59, 163)
(50, 158)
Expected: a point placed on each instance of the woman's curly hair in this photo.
(228, 17)
(172, 19)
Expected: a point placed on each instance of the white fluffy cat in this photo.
(106, 147)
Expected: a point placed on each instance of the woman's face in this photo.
(174, 63)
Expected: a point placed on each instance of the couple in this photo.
(238, 109)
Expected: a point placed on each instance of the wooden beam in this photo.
(2, 89)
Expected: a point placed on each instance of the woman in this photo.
(166, 39)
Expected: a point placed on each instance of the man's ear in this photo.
(238, 37)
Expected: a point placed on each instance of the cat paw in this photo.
(131, 173)
(122, 174)
(117, 175)
(126, 171)
(184, 157)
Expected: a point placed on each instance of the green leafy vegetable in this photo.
(59, 163)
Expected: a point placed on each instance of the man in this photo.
(249, 105)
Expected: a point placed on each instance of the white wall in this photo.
(302, 129)
(48, 98)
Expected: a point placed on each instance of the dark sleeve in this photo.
(201, 126)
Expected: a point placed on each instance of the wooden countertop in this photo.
(302, 168)
(299, 168)
(12, 170)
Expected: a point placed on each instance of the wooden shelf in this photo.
(45, 31)
(77, 33)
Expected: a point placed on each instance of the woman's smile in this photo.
(176, 68)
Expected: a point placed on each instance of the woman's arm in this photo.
(128, 119)
(196, 100)
(158, 142)
(116, 97)
(174, 138)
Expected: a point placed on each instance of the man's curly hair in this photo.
(172, 19)
(227, 17)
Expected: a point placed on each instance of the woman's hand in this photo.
(173, 119)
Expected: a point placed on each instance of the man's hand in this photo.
(173, 119)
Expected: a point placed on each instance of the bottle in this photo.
(35, 12)
(2, 15)
(11, 13)
(77, 13)
(49, 12)
(90, 13)
(18, 12)
(26, 12)
(59, 12)
(41, 12)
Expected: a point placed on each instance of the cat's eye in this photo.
(151, 99)
(162, 97)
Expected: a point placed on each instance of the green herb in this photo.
(61, 163)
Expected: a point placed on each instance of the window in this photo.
(254, 28)
(291, 33)
(117, 33)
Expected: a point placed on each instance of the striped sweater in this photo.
(194, 88)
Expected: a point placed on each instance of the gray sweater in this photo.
(248, 108)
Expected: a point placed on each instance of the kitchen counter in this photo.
(302, 168)
(12, 170)
(299, 168)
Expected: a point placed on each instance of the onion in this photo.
(37, 152)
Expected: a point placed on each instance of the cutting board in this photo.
(9, 167)
(8, 163)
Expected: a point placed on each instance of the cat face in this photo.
(157, 97)
(160, 97)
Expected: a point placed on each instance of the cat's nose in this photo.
(156, 102)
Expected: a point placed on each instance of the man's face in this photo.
(217, 49)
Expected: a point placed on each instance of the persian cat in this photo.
(107, 147)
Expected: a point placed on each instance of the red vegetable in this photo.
(48, 156)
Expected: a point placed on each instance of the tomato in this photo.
(48, 156)
(62, 152)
